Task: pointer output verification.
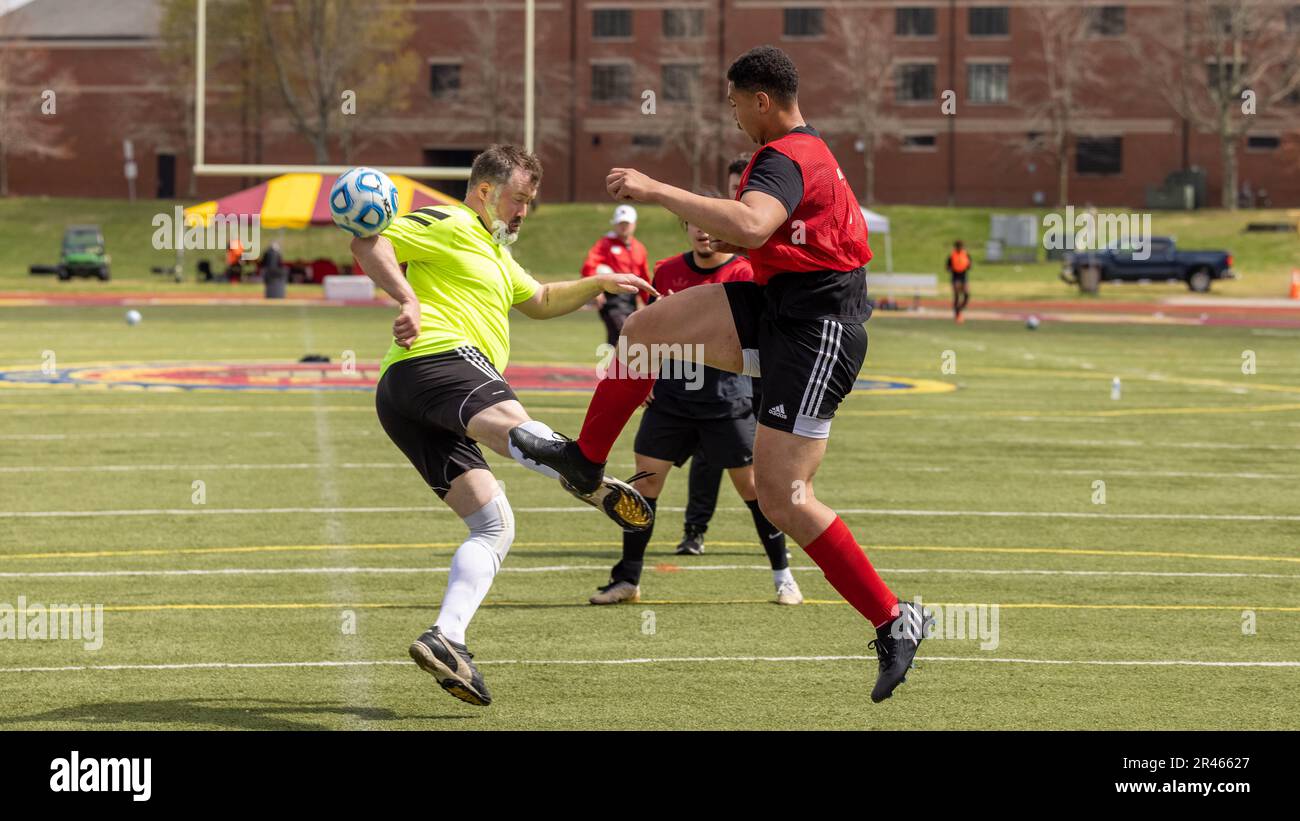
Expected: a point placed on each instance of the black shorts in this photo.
(424, 403)
(724, 443)
(808, 363)
(959, 278)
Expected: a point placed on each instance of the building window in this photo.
(683, 23)
(1106, 21)
(1263, 142)
(987, 82)
(914, 82)
(1293, 18)
(920, 142)
(647, 140)
(609, 24)
(444, 80)
(990, 21)
(1228, 73)
(914, 21)
(1099, 155)
(804, 23)
(611, 82)
(679, 82)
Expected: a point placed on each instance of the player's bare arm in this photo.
(559, 298)
(379, 261)
(744, 223)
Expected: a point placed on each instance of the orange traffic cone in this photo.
(1295, 284)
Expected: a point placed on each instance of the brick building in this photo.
(638, 82)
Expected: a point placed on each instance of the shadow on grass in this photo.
(225, 714)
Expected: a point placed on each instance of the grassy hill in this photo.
(556, 236)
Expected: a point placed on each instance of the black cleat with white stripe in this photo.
(452, 666)
(896, 644)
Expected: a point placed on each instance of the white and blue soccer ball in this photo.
(133, 317)
(363, 201)
(1032, 323)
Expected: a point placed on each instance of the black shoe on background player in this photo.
(896, 644)
(452, 665)
(586, 480)
(692, 543)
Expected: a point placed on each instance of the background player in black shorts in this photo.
(700, 411)
(958, 264)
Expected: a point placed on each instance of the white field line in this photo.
(865, 511)
(252, 466)
(265, 665)
(572, 568)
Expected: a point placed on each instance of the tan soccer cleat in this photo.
(789, 593)
(617, 593)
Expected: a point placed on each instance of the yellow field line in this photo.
(147, 608)
(1059, 551)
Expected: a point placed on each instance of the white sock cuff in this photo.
(493, 525)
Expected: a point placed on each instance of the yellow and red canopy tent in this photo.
(300, 200)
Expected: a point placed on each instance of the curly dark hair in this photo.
(738, 165)
(767, 69)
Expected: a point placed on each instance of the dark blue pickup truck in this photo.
(1165, 263)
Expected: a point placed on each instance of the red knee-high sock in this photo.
(616, 398)
(846, 567)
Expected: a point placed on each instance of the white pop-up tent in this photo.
(878, 224)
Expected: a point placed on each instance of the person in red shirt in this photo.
(697, 412)
(618, 252)
(799, 324)
(958, 264)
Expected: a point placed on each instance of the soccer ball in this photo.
(363, 201)
(133, 317)
(1032, 323)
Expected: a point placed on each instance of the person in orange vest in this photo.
(617, 252)
(234, 264)
(958, 264)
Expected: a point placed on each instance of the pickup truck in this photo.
(1088, 269)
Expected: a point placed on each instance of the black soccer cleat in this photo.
(452, 665)
(615, 497)
(896, 644)
(692, 543)
(563, 456)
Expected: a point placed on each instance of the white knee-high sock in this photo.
(537, 429)
(475, 563)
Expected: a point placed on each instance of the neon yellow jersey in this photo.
(464, 280)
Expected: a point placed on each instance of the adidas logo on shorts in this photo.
(778, 411)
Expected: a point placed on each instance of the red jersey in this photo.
(680, 272)
(629, 258)
(826, 231)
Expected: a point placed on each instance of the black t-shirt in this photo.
(777, 175)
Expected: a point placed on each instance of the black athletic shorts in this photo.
(956, 278)
(724, 443)
(804, 334)
(424, 403)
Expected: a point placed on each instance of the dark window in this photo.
(450, 158)
(919, 141)
(914, 81)
(803, 23)
(987, 82)
(912, 21)
(1293, 18)
(1228, 72)
(444, 80)
(1099, 155)
(1262, 142)
(647, 140)
(611, 83)
(1106, 21)
(609, 23)
(990, 21)
(680, 23)
(679, 82)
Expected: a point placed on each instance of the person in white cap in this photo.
(618, 252)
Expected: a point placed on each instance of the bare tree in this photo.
(321, 49)
(30, 93)
(689, 112)
(1233, 59)
(489, 103)
(861, 68)
(1052, 94)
